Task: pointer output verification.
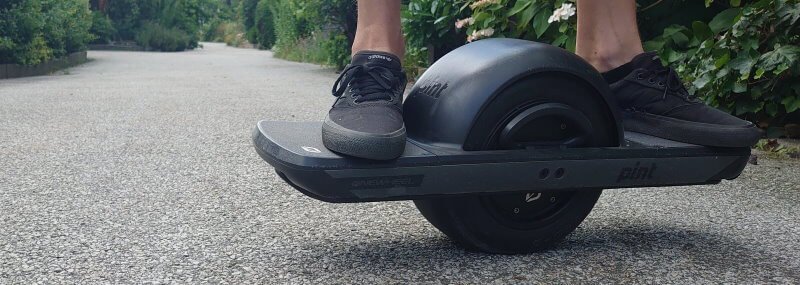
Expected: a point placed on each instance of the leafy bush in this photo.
(740, 56)
(429, 31)
(218, 13)
(525, 19)
(234, 34)
(218, 30)
(34, 31)
(154, 36)
(247, 10)
(250, 14)
(289, 22)
(312, 26)
(337, 50)
(330, 49)
(746, 60)
(212, 31)
(264, 25)
(131, 16)
(229, 32)
(102, 28)
(125, 16)
(67, 24)
(21, 37)
(236, 40)
(308, 49)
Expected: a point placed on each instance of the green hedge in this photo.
(161, 38)
(746, 60)
(319, 31)
(222, 13)
(102, 28)
(34, 31)
(247, 10)
(429, 31)
(131, 17)
(264, 26)
(739, 56)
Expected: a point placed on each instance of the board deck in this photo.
(296, 152)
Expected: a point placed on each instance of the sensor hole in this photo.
(544, 173)
(559, 173)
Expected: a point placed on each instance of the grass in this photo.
(309, 50)
(775, 149)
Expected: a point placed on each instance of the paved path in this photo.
(138, 167)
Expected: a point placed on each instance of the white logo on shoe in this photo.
(386, 58)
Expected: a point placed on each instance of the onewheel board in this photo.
(424, 171)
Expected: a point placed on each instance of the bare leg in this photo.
(607, 33)
(379, 27)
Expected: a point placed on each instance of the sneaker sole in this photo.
(691, 132)
(364, 145)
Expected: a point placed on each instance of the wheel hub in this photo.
(541, 124)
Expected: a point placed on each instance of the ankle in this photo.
(605, 60)
(378, 40)
(386, 49)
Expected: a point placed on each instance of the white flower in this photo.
(464, 22)
(479, 34)
(562, 13)
(482, 3)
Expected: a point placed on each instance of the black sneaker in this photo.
(367, 118)
(654, 101)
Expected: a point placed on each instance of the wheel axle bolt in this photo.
(552, 199)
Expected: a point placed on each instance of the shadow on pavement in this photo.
(615, 253)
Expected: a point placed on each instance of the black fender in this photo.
(442, 106)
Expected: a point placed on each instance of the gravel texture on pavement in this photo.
(138, 167)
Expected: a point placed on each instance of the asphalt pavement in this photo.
(138, 167)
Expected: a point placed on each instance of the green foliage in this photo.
(429, 30)
(21, 37)
(126, 15)
(188, 16)
(740, 56)
(234, 34)
(222, 12)
(157, 37)
(775, 149)
(525, 19)
(213, 31)
(746, 60)
(264, 25)
(331, 49)
(337, 50)
(290, 22)
(102, 28)
(34, 31)
(231, 33)
(308, 49)
(66, 26)
(312, 26)
(247, 11)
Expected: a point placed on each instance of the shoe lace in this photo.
(367, 83)
(668, 78)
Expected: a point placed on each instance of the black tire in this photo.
(510, 223)
(469, 222)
